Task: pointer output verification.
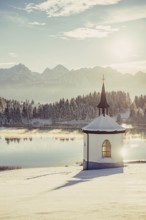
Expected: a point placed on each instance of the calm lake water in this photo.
(38, 148)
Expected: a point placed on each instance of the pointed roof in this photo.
(103, 102)
(103, 124)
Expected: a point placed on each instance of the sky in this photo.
(74, 33)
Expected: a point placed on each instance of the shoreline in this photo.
(6, 168)
(77, 164)
(67, 125)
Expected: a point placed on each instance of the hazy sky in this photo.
(75, 33)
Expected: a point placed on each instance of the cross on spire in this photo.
(103, 79)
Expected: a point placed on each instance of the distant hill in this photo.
(21, 83)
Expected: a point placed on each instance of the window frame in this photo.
(106, 149)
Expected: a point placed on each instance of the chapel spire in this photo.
(103, 105)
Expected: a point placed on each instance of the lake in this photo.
(41, 148)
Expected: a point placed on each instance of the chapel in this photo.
(103, 139)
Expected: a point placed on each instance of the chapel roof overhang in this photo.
(103, 125)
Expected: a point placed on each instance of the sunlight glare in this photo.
(122, 48)
(123, 152)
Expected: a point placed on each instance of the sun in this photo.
(122, 49)
(123, 152)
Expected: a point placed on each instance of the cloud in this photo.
(130, 67)
(7, 64)
(12, 54)
(56, 8)
(100, 31)
(12, 17)
(35, 23)
(122, 15)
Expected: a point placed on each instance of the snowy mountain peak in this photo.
(140, 73)
(60, 68)
(46, 71)
(59, 82)
(20, 68)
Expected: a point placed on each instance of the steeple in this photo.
(103, 105)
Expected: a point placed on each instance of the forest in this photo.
(14, 113)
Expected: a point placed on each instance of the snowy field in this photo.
(67, 193)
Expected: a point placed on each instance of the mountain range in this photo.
(19, 82)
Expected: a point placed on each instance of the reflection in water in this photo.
(136, 132)
(64, 139)
(135, 144)
(41, 149)
(36, 149)
(27, 139)
(16, 139)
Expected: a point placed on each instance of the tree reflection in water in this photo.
(64, 139)
(16, 139)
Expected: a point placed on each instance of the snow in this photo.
(25, 133)
(103, 123)
(38, 122)
(68, 193)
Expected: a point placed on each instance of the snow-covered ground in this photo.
(67, 193)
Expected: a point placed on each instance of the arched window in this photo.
(106, 149)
